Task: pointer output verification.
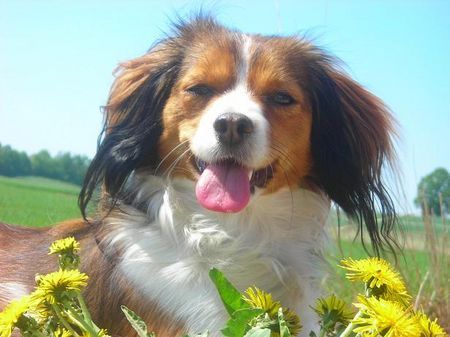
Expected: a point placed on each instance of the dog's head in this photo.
(243, 115)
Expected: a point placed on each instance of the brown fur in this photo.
(107, 290)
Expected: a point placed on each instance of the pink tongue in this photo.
(223, 188)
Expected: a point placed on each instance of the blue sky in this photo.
(57, 58)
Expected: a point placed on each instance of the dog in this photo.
(219, 149)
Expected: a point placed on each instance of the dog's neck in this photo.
(169, 243)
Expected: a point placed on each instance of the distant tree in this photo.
(430, 187)
(80, 165)
(64, 166)
(24, 164)
(43, 165)
(71, 168)
(13, 163)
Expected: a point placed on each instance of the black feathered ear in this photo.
(132, 124)
(351, 142)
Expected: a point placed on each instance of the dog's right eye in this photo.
(281, 98)
(200, 90)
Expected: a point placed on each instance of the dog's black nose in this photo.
(231, 128)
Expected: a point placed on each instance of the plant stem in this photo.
(63, 320)
(81, 322)
(322, 332)
(84, 309)
(38, 333)
(348, 330)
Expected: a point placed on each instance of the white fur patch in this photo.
(275, 243)
(13, 290)
(205, 144)
(245, 64)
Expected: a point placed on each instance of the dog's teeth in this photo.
(199, 164)
(250, 174)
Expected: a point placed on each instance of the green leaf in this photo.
(230, 296)
(284, 330)
(136, 322)
(258, 332)
(312, 334)
(238, 324)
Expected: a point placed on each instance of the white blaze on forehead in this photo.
(245, 60)
(237, 100)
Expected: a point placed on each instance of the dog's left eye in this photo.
(281, 98)
(200, 90)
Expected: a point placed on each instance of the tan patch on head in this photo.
(213, 63)
(290, 125)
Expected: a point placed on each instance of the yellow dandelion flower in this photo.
(40, 308)
(101, 333)
(59, 286)
(258, 298)
(333, 309)
(429, 328)
(60, 332)
(385, 318)
(67, 245)
(292, 321)
(10, 316)
(379, 276)
(67, 250)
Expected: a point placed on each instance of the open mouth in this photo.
(226, 186)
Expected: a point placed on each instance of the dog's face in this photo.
(236, 120)
(242, 115)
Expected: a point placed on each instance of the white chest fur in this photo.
(275, 244)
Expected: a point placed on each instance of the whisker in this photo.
(287, 160)
(291, 219)
(181, 169)
(267, 173)
(284, 156)
(169, 170)
(174, 163)
(167, 155)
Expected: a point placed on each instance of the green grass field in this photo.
(34, 201)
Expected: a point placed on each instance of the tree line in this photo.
(433, 192)
(63, 166)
